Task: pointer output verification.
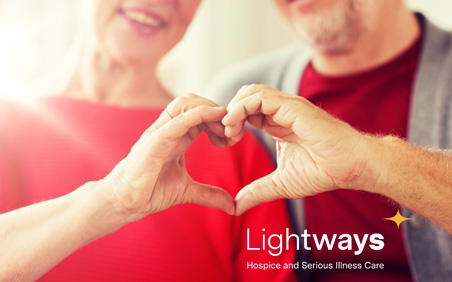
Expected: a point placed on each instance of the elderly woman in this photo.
(101, 231)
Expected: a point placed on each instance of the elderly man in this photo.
(385, 71)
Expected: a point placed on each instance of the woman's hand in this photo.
(315, 152)
(153, 176)
(150, 179)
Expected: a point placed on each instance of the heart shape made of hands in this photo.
(175, 130)
(315, 151)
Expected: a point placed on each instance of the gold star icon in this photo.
(398, 218)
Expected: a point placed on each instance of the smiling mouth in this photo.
(142, 18)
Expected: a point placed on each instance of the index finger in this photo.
(180, 125)
(248, 90)
(282, 108)
(178, 106)
(240, 111)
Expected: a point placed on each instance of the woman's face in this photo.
(141, 31)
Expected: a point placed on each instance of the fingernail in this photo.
(230, 142)
(235, 139)
(223, 120)
(227, 131)
(238, 213)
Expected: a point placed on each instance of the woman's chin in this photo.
(136, 50)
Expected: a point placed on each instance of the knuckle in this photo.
(182, 99)
(244, 87)
(178, 102)
(191, 95)
(298, 99)
(261, 94)
(203, 108)
(255, 195)
(279, 191)
(253, 87)
(180, 117)
(244, 90)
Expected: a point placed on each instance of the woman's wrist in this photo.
(100, 214)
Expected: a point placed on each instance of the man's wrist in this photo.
(375, 158)
(381, 163)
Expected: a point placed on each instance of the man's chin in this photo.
(333, 45)
(331, 33)
(331, 48)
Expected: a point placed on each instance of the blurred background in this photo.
(37, 37)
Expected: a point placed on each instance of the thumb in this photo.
(256, 193)
(211, 197)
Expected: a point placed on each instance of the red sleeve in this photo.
(10, 196)
(249, 228)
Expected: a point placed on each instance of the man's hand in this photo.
(153, 176)
(315, 151)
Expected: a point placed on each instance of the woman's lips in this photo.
(301, 3)
(142, 20)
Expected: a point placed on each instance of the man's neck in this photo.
(395, 33)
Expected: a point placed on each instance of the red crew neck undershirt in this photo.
(376, 101)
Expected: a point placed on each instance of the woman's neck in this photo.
(100, 79)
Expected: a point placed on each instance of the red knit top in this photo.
(50, 147)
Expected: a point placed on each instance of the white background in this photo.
(35, 36)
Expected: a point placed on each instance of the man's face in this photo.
(330, 26)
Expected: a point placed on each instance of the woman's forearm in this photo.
(150, 179)
(37, 237)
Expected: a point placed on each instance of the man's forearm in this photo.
(417, 178)
(36, 238)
